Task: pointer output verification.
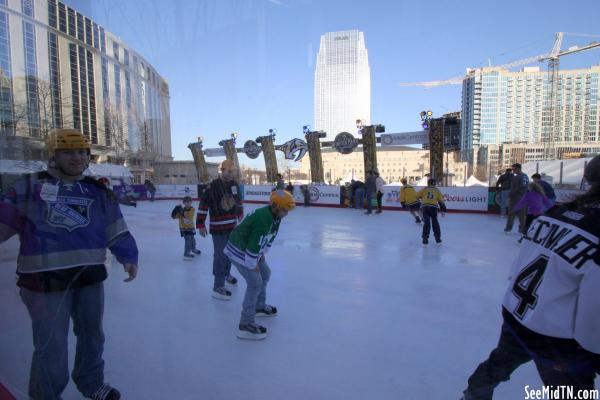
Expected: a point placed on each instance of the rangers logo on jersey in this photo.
(69, 212)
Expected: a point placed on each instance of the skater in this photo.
(535, 201)
(222, 200)
(150, 188)
(280, 183)
(503, 190)
(408, 199)
(65, 223)
(551, 306)
(548, 190)
(290, 188)
(185, 215)
(358, 194)
(306, 195)
(246, 249)
(431, 199)
(518, 188)
(370, 189)
(380, 183)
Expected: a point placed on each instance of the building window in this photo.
(80, 28)
(31, 83)
(105, 96)
(55, 83)
(7, 119)
(71, 22)
(92, 97)
(102, 40)
(62, 17)
(96, 36)
(27, 6)
(126, 57)
(116, 50)
(85, 108)
(88, 32)
(75, 86)
(52, 14)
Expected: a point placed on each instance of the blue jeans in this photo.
(359, 198)
(502, 201)
(190, 243)
(221, 263)
(430, 218)
(256, 289)
(50, 314)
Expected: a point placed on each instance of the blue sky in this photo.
(248, 65)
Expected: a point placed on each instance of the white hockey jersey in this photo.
(554, 285)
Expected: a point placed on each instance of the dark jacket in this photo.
(548, 190)
(518, 186)
(223, 201)
(504, 181)
(371, 184)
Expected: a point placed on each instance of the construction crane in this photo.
(550, 131)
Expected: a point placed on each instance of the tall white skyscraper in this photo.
(342, 83)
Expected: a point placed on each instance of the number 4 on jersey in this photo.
(526, 285)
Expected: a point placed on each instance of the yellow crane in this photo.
(550, 131)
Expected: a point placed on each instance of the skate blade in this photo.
(220, 296)
(245, 335)
(265, 315)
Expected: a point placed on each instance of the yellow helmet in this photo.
(283, 199)
(66, 139)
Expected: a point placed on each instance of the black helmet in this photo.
(430, 182)
(592, 170)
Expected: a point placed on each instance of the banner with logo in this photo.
(406, 138)
(471, 198)
(176, 191)
(258, 192)
(324, 194)
(318, 194)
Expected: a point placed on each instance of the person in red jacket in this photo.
(221, 200)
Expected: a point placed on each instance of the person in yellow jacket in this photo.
(186, 216)
(408, 199)
(431, 200)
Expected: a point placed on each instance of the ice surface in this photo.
(366, 312)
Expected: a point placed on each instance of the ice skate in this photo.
(438, 242)
(105, 392)
(267, 311)
(221, 294)
(188, 257)
(425, 241)
(251, 332)
(196, 251)
(231, 280)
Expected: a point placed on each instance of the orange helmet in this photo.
(283, 199)
(66, 139)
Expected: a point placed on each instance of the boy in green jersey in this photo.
(246, 247)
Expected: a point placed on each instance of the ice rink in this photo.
(365, 312)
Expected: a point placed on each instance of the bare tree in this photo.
(115, 136)
(43, 112)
